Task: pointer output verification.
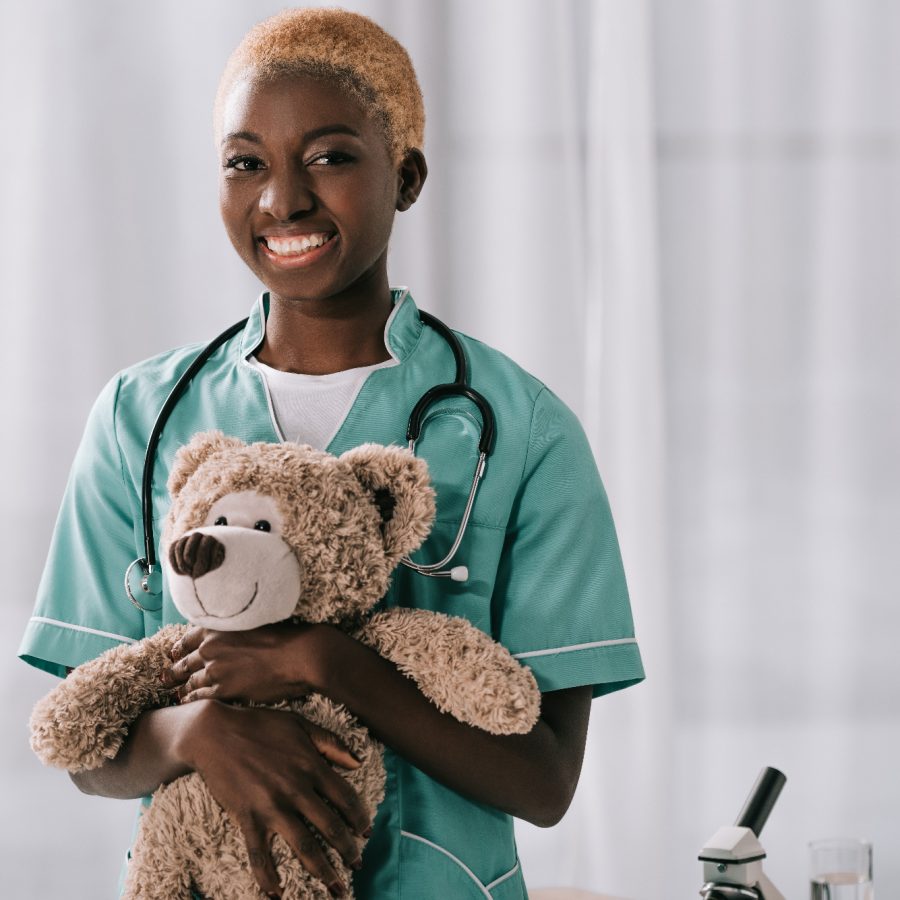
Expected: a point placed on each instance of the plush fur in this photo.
(255, 534)
(341, 46)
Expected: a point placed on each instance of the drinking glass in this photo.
(840, 869)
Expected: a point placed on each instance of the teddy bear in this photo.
(256, 534)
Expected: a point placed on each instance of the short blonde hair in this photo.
(341, 46)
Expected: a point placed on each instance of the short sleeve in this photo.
(81, 607)
(560, 602)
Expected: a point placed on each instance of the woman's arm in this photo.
(532, 776)
(148, 758)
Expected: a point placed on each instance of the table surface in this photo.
(567, 894)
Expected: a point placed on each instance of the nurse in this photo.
(319, 129)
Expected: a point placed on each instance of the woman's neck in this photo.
(318, 337)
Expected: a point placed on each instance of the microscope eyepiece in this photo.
(761, 800)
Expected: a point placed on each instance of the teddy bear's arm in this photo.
(463, 671)
(83, 721)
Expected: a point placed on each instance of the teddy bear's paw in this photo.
(462, 670)
(83, 721)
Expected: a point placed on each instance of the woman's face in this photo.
(307, 187)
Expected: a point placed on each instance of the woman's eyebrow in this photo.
(254, 138)
(330, 129)
(242, 136)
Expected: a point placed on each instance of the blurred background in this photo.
(683, 217)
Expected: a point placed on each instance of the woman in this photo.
(319, 127)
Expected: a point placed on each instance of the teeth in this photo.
(288, 246)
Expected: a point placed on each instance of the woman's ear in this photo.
(194, 453)
(411, 175)
(400, 489)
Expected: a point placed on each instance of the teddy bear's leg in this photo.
(83, 721)
(462, 670)
(187, 842)
(368, 781)
(296, 882)
(158, 867)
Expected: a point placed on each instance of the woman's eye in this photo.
(244, 163)
(221, 521)
(330, 158)
(262, 525)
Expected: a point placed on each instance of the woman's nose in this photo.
(286, 195)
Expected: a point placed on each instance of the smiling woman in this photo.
(308, 189)
(319, 130)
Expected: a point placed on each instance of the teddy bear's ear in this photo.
(401, 491)
(190, 456)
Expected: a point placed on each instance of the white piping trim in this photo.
(351, 401)
(503, 878)
(262, 377)
(106, 634)
(573, 647)
(403, 294)
(448, 854)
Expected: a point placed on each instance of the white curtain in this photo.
(622, 807)
(778, 168)
(678, 215)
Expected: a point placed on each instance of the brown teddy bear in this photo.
(258, 534)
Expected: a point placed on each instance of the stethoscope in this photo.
(150, 578)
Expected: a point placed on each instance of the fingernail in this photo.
(336, 889)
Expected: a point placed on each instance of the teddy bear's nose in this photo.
(196, 554)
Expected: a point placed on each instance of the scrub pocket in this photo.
(429, 872)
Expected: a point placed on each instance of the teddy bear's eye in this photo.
(221, 521)
(262, 525)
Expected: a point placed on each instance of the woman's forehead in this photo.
(293, 105)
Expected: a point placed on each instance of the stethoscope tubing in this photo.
(459, 387)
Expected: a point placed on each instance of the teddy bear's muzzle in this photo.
(196, 554)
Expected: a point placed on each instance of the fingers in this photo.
(329, 745)
(181, 670)
(335, 832)
(309, 851)
(188, 643)
(199, 686)
(261, 863)
(211, 692)
(346, 801)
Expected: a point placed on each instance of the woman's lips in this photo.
(296, 251)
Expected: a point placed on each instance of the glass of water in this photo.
(840, 869)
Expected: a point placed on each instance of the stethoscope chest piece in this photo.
(144, 583)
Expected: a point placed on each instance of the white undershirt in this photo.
(309, 409)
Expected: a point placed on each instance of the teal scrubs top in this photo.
(545, 574)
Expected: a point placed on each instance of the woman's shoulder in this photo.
(133, 396)
(157, 374)
(498, 375)
(490, 367)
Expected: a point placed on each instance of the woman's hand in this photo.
(264, 665)
(269, 769)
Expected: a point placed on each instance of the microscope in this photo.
(732, 858)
